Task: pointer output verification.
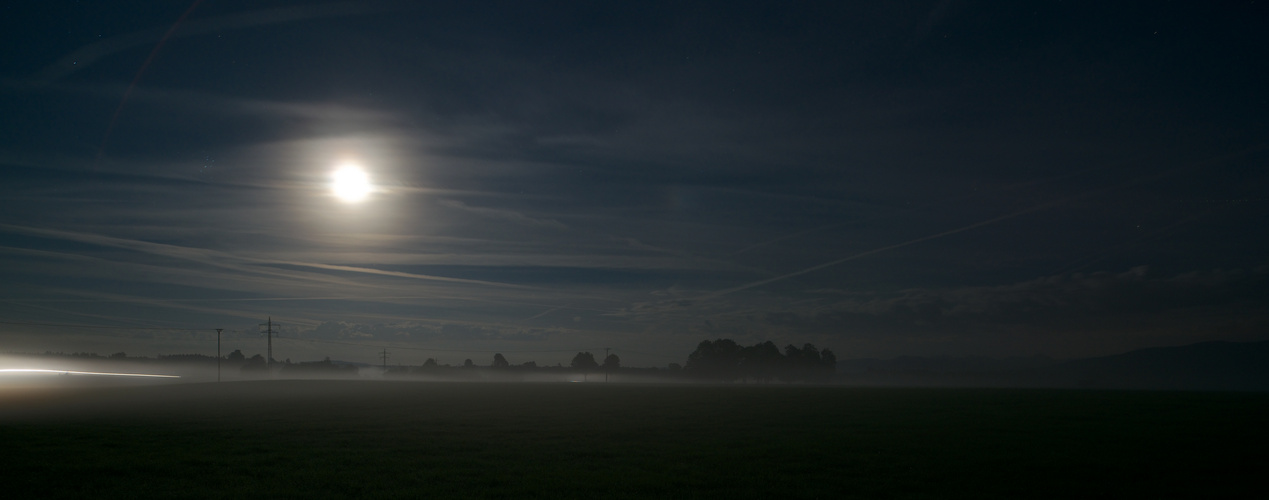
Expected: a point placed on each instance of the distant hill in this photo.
(1207, 366)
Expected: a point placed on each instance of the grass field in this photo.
(368, 439)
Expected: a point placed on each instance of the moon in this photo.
(350, 183)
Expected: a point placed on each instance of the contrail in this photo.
(924, 206)
(1130, 182)
(93, 52)
(879, 250)
(101, 149)
(229, 261)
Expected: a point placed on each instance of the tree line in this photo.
(720, 360)
(725, 360)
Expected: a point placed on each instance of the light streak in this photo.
(73, 372)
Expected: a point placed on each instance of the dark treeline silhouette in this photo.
(1223, 366)
(469, 370)
(727, 361)
(716, 360)
(323, 367)
(258, 364)
(500, 368)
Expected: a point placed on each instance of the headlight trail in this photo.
(73, 372)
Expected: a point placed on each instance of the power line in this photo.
(268, 362)
(394, 346)
(335, 342)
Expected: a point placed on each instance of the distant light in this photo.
(350, 183)
(73, 372)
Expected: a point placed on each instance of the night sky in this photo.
(938, 178)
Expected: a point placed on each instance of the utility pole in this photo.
(606, 368)
(218, 353)
(268, 362)
(385, 360)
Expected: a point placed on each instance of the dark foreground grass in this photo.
(416, 440)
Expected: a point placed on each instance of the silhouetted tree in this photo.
(256, 363)
(187, 357)
(761, 362)
(584, 361)
(723, 359)
(808, 363)
(674, 367)
(612, 362)
(790, 372)
(118, 355)
(468, 364)
(499, 361)
(530, 364)
(719, 359)
(325, 366)
(236, 356)
(828, 363)
(429, 366)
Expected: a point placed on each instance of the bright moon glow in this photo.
(350, 184)
(72, 372)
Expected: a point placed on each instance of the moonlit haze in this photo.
(402, 249)
(444, 181)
